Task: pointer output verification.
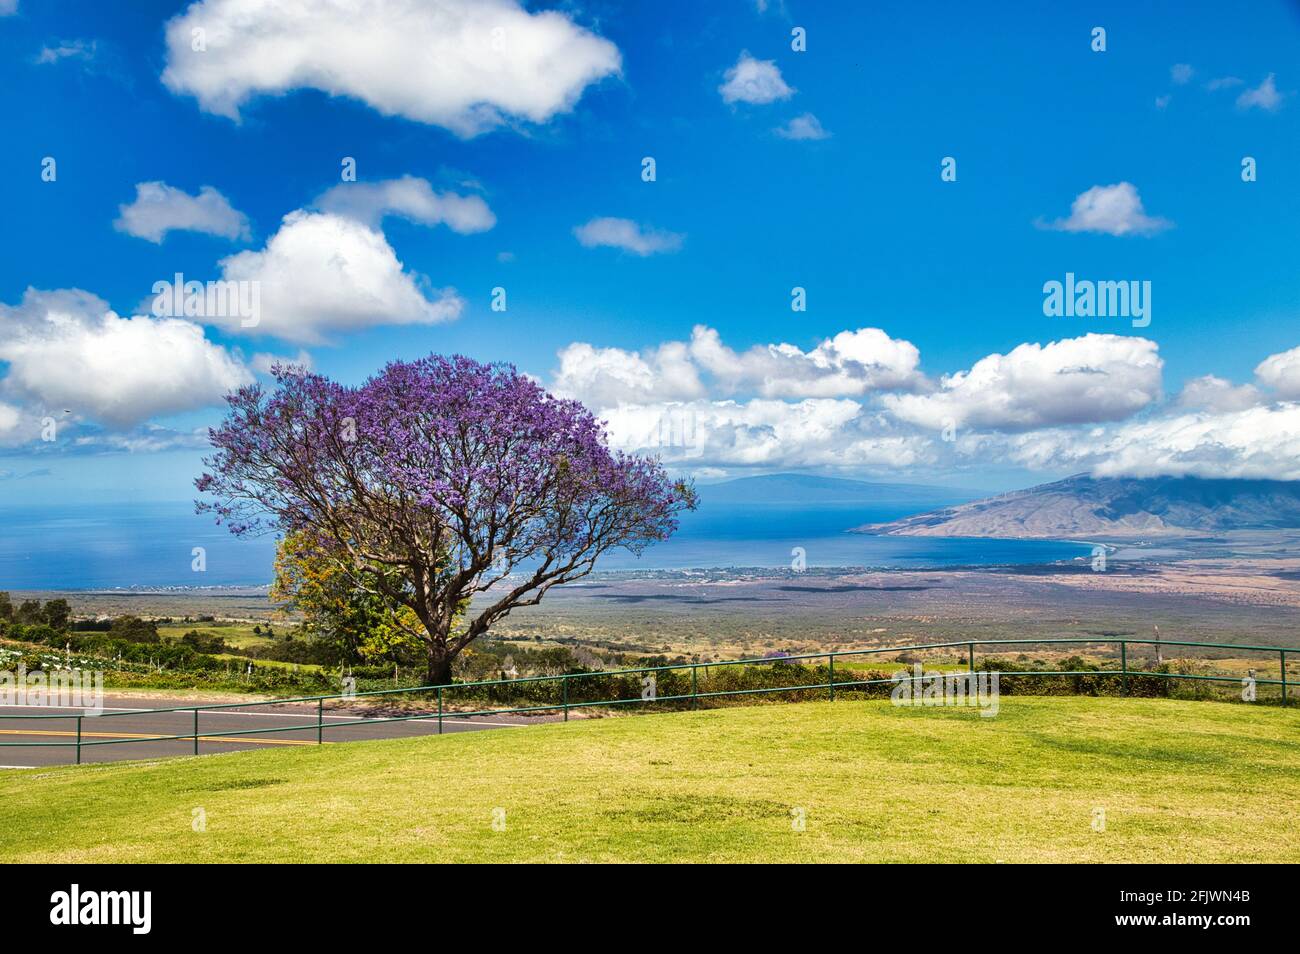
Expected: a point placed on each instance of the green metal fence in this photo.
(832, 684)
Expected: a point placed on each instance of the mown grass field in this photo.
(237, 635)
(1177, 781)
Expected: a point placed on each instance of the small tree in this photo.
(134, 629)
(436, 482)
(29, 613)
(357, 624)
(57, 613)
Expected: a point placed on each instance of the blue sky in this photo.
(860, 218)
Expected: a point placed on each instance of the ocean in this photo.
(123, 546)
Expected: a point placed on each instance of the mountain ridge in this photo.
(1086, 506)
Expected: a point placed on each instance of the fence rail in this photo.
(832, 684)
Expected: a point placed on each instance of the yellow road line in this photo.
(138, 735)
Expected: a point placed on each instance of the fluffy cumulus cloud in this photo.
(1074, 381)
(1217, 394)
(627, 235)
(758, 433)
(11, 419)
(466, 65)
(805, 127)
(1260, 443)
(1110, 210)
(1181, 73)
(410, 198)
(608, 377)
(1277, 378)
(159, 208)
(859, 401)
(1265, 96)
(68, 353)
(1281, 372)
(8, 7)
(323, 274)
(1213, 429)
(754, 81)
(852, 363)
(702, 404)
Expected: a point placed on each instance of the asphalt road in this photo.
(133, 718)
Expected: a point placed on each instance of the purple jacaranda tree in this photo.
(434, 483)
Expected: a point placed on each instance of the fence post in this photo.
(440, 710)
(970, 658)
(79, 718)
(695, 697)
(1123, 663)
(196, 730)
(564, 681)
(320, 721)
(1282, 653)
(831, 657)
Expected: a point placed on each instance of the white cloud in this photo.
(764, 433)
(8, 7)
(1264, 96)
(10, 418)
(1217, 394)
(803, 127)
(1162, 101)
(1181, 73)
(1223, 82)
(1073, 381)
(1259, 443)
(466, 65)
(605, 377)
(628, 236)
(1215, 429)
(322, 273)
(1088, 403)
(754, 81)
(263, 362)
(66, 50)
(1281, 372)
(412, 199)
(668, 400)
(849, 364)
(159, 208)
(1112, 210)
(145, 439)
(67, 351)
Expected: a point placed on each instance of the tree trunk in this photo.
(438, 672)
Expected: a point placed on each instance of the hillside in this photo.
(1178, 781)
(1089, 507)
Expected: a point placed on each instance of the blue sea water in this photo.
(152, 545)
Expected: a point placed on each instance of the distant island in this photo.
(1084, 506)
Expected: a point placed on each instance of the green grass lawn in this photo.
(242, 661)
(238, 635)
(1177, 781)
